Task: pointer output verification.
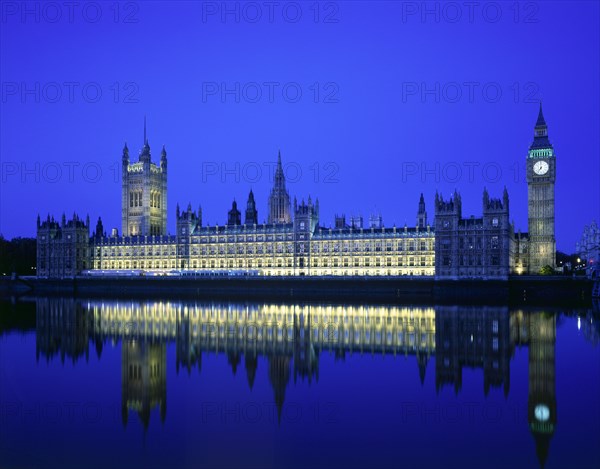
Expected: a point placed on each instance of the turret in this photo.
(234, 216)
(339, 221)
(99, 228)
(125, 157)
(187, 221)
(251, 212)
(306, 217)
(421, 214)
(163, 159)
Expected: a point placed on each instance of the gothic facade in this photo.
(488, 246)
(298, 248)
(294, 242)
(63, 249)
(473, 247)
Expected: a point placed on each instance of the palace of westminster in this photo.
(293, 242)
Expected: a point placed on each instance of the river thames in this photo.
(101, 382)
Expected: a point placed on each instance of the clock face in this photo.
(541, 168)
(541, 412)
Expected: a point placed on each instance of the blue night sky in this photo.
(368, 133)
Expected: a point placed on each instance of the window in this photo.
(495, 243)
(494, 222)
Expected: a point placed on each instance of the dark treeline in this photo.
(17, 255)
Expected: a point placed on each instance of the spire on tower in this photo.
(279, 200)
(540, 140)
(145, 139)
(540, 120)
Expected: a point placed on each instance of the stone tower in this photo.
(279, 200)
(144, 193)
(447, 217)
(62, 248)
(306, 220)
(541, 174)
(497, 229)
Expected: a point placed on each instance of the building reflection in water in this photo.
(476, 338)
(291, 337)
(538, 330)
(143, 379)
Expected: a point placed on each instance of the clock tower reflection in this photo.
(542, 398)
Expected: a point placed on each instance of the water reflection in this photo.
(291, 338)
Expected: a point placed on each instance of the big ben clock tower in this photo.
(541, 174)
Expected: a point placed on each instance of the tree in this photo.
(546, 270)
(17, 255)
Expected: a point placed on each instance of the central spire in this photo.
(145, 139)
(279, 200)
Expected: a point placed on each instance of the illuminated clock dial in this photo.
(541, 412)
(541, 168)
